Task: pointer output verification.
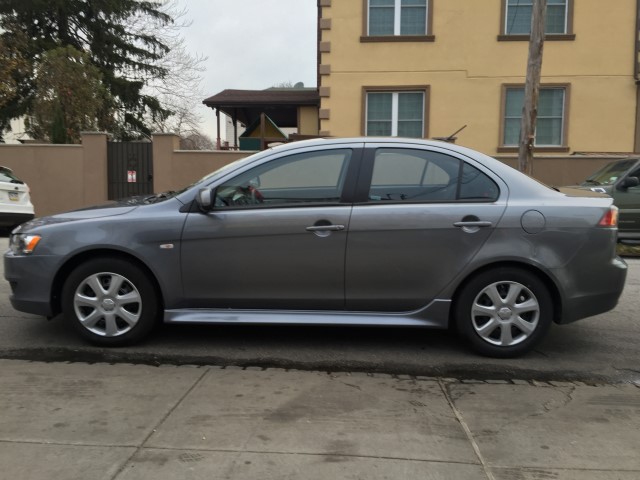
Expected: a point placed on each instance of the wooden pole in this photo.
(532, 88)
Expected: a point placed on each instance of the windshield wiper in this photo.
(592, 182)
(159, 196)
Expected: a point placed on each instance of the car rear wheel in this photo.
(504, 312)
(110, 302)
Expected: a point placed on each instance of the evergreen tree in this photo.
(108, 32)
(14, 69)
(69, 97)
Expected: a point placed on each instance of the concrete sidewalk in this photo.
(79, 421)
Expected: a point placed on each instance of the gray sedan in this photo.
(366, 231)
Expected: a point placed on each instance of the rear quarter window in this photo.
(475, 185)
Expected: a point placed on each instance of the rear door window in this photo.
(407, 175)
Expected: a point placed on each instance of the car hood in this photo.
(98, 211)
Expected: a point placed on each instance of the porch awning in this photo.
(280, 104)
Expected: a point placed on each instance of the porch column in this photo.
(235, 128)
(218, 129)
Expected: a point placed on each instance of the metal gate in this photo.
(130, 169)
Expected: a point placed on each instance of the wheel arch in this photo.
(71, 263)
(554, 291)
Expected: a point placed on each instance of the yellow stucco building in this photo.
(425, 68)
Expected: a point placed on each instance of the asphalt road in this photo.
(601, 349)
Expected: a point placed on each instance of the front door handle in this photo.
(320, 228)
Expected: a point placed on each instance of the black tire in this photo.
(484, 312)
(119, 304)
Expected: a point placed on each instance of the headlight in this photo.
(23, 243)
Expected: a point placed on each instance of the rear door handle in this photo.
(477, 223)
(320, 228)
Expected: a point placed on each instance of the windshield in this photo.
(224, 169)
(6, 175)
(608, 174)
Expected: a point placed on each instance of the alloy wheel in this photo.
(505, 313)
(107, 304)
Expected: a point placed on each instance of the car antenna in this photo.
(451, 138)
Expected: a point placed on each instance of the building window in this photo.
(398, 17)
(551, 121)
(517, 14)
(395, 113)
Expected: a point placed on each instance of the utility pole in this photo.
(532, 88)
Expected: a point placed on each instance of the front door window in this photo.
(305, 178)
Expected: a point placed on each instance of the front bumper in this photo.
(31, 281)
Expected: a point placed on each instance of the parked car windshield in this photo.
(608, 174)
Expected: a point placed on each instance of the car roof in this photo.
(496, 165)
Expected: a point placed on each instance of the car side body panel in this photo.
(230, 258)
(391, 264)
(154, 243)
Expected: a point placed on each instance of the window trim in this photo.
(502, 148)
(366, 38)
(425, 89)
(519, 37)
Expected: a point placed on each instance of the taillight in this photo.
(610, 219)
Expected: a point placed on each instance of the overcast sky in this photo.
(251, 44)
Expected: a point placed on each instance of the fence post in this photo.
(163, 146)
(94, 164)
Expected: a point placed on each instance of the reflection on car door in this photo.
(425, 216)
(276, 238)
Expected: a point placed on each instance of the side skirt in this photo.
(434, 315)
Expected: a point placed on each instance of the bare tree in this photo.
(286, 84)
(180, 90)
(196, 141)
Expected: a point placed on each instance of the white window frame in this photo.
(506, 18)
(394, 109)
(397, 17)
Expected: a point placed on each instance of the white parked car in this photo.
(15, 201)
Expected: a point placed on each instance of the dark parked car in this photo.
(367, 231)
(620, 180)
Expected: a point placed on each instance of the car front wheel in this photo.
(504, 312)
(110, 302)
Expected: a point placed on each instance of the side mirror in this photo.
(204, 199)
(628, 182)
